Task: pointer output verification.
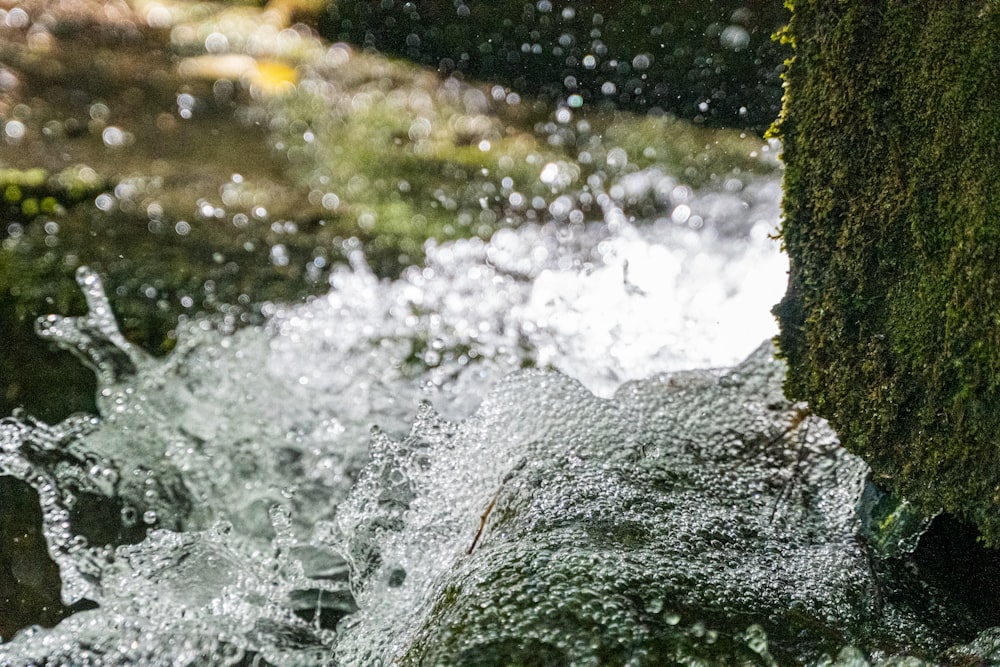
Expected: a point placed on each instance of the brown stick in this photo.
(482, 520)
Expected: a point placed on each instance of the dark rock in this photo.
(889, 325)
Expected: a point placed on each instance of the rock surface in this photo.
(889, 324)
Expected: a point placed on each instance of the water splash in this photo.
(691, 517)
(232, 503)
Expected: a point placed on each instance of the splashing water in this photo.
(232, 504)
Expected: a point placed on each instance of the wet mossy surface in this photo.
(889, 325)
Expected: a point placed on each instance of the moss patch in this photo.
(890, 325)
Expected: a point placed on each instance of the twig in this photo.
(493, 501)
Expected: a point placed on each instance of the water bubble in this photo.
(330, 201)
(99, 111)
(734, 37)
(617, 158)
(216, 42)
(549, 173)
(680, 214)
(642, 61)
(158, 16)
(279, 254)
(420, 129)
(104, 202)
(14, 131)
(129, 516)
(17, 18)
(114, 137)
(185, 105)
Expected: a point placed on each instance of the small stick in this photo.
(482, 520)
(493, 501)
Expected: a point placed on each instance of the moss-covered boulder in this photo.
(890, 325)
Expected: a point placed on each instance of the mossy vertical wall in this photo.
(891, 323)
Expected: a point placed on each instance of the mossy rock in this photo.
(890, 323)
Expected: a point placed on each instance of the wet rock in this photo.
(694, 517)
(888, 324)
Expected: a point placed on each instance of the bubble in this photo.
(104, 202)
(617, 158)
(550, 172)
(330, 201)
(642, 61)
(130, 516)
(279, 255)
(158, 16)
(114, 137)
(420, 129)
(216, 42)
(99, 111)
(680, 214)
(14, 131)
(17, 18)
(185, 105)
(734, 37)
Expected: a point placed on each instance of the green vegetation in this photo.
(890, 324)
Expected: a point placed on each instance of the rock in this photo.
(889, 324)
(694, 517)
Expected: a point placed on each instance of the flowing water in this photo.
(495, 459)
(566, 444)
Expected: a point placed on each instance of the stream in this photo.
(441, 377)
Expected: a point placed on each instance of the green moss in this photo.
(28, 193)
(889, 325)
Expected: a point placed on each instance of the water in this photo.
(501, 455)
(544, 481)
